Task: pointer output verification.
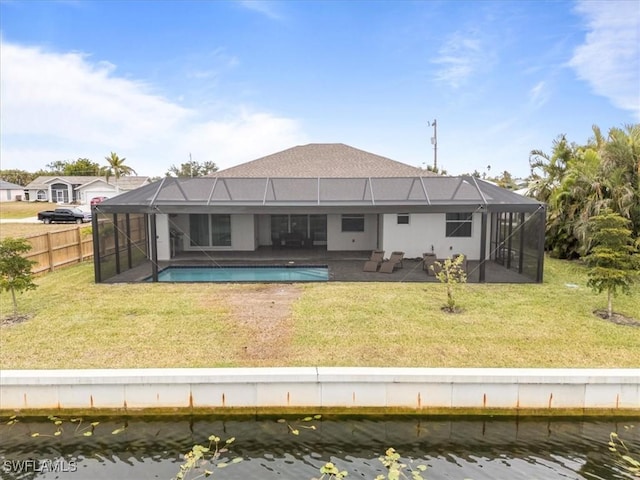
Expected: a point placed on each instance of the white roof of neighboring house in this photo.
(125, 183)
(10, 186)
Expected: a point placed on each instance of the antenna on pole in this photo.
(190, 165)
(434, 142)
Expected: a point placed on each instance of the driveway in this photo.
(20, 220)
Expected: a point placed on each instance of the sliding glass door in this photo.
(209, 230)
(311, 228)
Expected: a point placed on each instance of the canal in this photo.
(456, 448)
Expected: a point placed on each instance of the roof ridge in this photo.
(334, 160)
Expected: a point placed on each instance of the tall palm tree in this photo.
(621, 167)
(117, 168)
(547, 174)
(579, 182)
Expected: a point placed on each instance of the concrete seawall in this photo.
(370, 390)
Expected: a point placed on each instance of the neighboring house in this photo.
(79, 189)
(10, 192)
(326, 196)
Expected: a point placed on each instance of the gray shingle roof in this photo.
(326, 160)
(4, 185)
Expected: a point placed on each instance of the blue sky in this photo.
(231, 81)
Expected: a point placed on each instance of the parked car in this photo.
(97, 200)
(74, 215)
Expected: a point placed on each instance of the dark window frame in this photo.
(403, 216)
(352, 222)
(459, 225)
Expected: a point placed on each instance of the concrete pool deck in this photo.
(344, 266)
(480, 391)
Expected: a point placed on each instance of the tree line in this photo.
(579, 182)
(115, 167)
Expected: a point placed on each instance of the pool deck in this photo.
(344, 266)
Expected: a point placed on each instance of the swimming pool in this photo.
(244, 273)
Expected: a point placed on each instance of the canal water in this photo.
(292, 448)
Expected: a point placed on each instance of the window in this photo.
(353, 223)
(459, 224)
(220, 230)
(210, 230)
(199, 230)
(403, 219)
(41, 195)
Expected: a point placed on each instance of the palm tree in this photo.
(621, 167)
(579, 182)
(547, 174)
(117, 168)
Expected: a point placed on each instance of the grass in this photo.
(17, 210)
(12, 210)
(78, 324)
(23, 230)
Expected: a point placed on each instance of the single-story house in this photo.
(323, 196)
(79, 189)
(10, 192)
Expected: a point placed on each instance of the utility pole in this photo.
(434, 142)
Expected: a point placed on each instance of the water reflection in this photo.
(498, 448)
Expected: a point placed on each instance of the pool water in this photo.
(255, 273)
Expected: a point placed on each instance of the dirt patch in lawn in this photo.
(14, 319)
(264, 312)
(617, 318)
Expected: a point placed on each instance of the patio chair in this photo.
(428, 259)
(371, 265)
(394, 262)
(464, 261)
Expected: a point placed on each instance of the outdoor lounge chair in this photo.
(374, 261)
(395, 261)
(464, 261)
(428, 259)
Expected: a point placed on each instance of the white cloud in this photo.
(263, 7)
(461, 56)
(609, 58)
(63, 106)
(539, 95)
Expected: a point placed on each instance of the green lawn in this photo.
(78, 324)
(16, 210)
(23, 209)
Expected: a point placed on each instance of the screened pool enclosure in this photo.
(210, 218)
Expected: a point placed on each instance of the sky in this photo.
(163, 82)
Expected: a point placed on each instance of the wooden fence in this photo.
(57, 249)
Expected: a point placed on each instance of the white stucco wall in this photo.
(425, 230)
(96, 189)
(10, 194)
(162, 231)
(339, 240)
(99, 191)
